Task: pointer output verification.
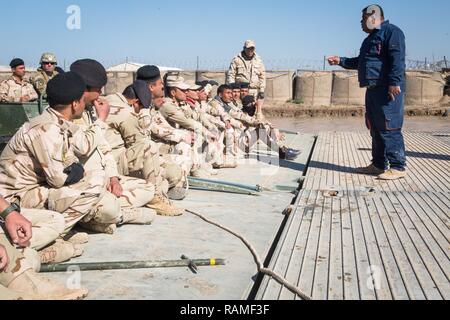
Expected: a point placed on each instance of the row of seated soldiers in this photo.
(102, 162)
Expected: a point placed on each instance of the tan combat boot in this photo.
(99, 227)
(141, 216)
(60, 251)
(392, 174)
(370, 170)
(36, 287)
(164, 207)
(77, 237)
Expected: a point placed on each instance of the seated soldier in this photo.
(19, 280)
(236, 87)
(172, 110)
(38, 168)
(265, 132)
(130, 119)
(174, 144)
(45, 73)
(125, 196)
(219, 107)
(249, 108)
(16, 89)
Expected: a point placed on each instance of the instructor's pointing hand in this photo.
(334, 60)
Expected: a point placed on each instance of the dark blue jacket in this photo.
(381, 61)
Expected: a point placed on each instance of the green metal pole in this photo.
(129, 265)
(198, 181)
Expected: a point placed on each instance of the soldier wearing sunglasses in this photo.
(45, 73)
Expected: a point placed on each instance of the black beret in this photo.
(235, 86)
(245, 85)
(143, 93)
(65, 88)
(148, 73)
(93, 73)
(203, 83)
(248, 100)
(16, 62)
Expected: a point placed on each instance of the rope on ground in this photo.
(280, 279)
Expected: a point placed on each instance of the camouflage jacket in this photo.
(177, 118)
(92, 148)
(250, 71)
(220, 109)
(12, 90)
(199, 115)
(38, 154)
(40, 80)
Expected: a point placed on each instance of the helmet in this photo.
(48, 57)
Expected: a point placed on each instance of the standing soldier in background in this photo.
(381, 67)
(248, 67)
(45, 73)
(16, 89)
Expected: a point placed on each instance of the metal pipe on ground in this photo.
(214, 183)
(129, 265)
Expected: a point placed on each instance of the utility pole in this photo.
(198, 62)
(324, 62)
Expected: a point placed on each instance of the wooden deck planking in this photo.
(401, 229)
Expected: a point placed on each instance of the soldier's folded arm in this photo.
(396, 53)
(178, 116)
(88, 139)
(48, 150)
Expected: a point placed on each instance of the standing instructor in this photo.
(381, 67)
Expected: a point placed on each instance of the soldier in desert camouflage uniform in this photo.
(175, 145)
(45, 73)
(129, 194)
(19, 281)
(131, 119)
(16, 89)
(248, 67)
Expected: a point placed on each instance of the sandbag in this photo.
(313, 88)
(279, 86)
(424, 88)
(346, 90)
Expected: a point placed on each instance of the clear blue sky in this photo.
(176, 32)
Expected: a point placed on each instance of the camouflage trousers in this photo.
(232, 138)
(264, 133)
(18, 264)
(179, 157)
(89, 200)
(47, 226)
(137, 193)
(144, 162)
